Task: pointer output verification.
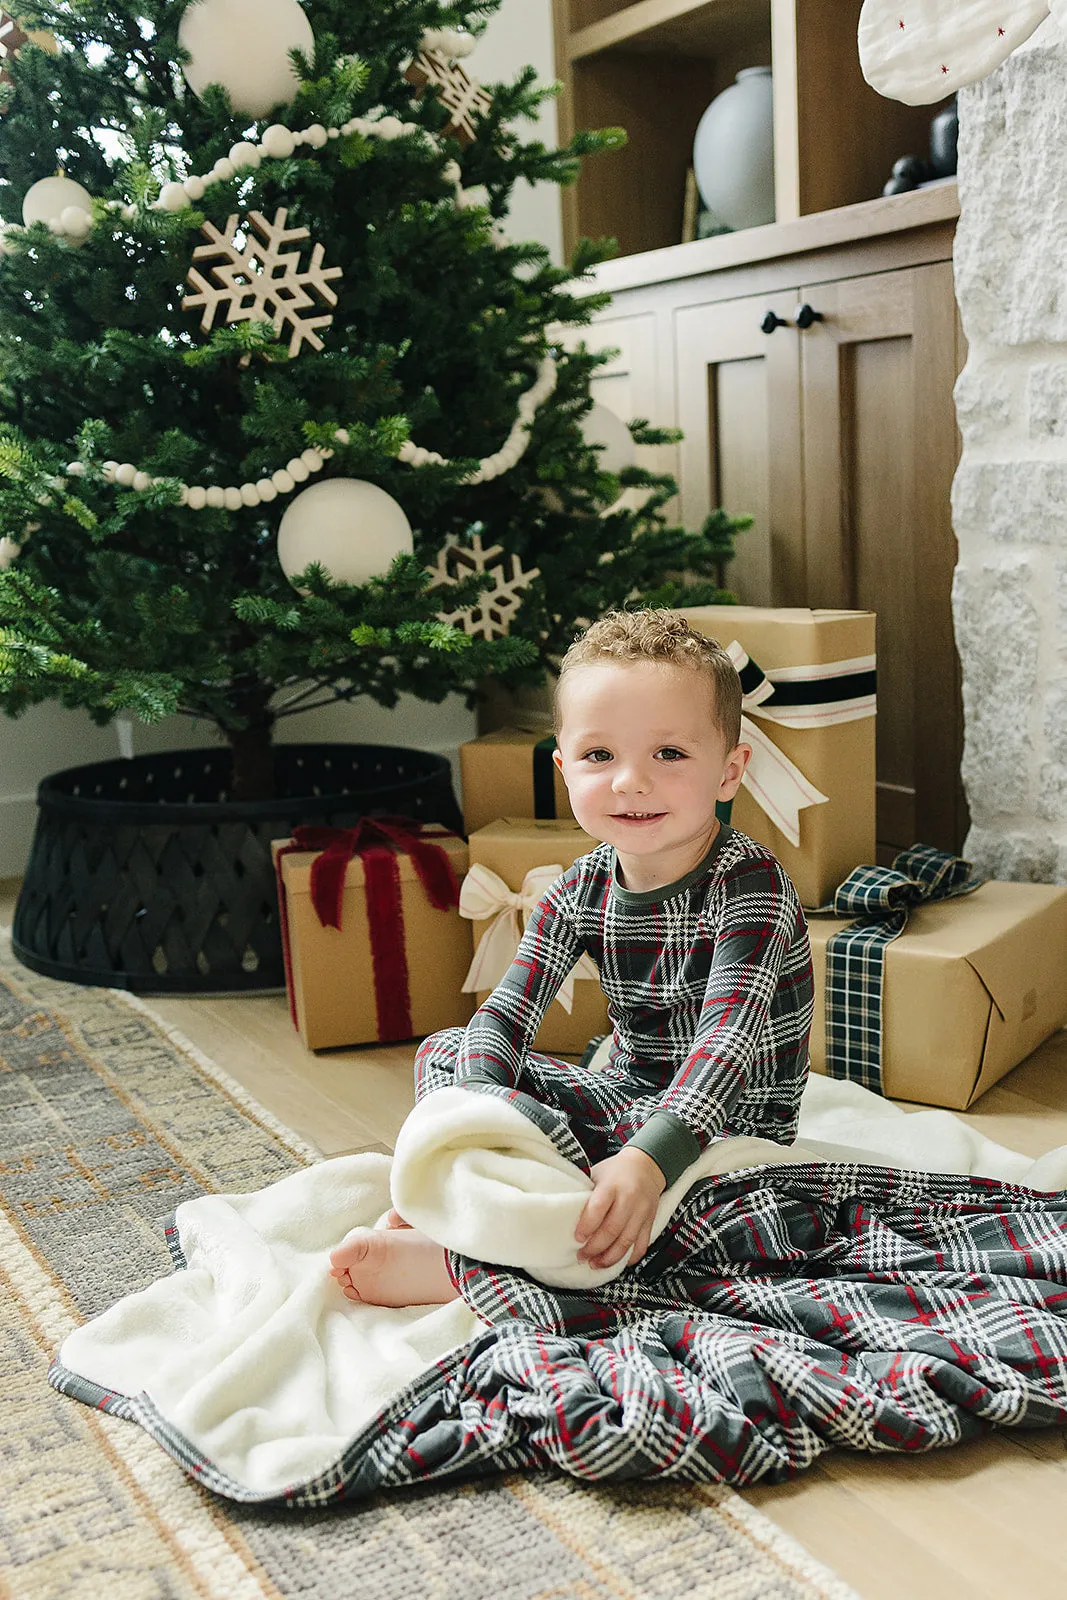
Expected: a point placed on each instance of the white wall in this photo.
(521, 35)
(48, 738)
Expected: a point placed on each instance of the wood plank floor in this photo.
(978, 1523)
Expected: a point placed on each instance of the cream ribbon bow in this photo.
(776, 784)
(484, 894)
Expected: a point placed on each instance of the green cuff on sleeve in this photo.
(670, 1142)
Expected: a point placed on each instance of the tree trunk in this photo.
(253, 760)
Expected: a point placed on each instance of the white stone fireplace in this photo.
(1010, 494)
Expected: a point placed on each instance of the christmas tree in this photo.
(283, 417)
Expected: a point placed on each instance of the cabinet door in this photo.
(738, 399)
(880, 451)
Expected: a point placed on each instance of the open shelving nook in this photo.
(653, 66)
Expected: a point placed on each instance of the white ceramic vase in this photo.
(733, 152)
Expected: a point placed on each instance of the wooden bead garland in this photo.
(128, 475)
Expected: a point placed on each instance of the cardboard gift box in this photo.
(815, 709)
(511, 847)
(347, 984)
(511, 773)
(970, 988)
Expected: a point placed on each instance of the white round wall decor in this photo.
(920, 51)
(244, 46)
(351, 527)
(601, 426)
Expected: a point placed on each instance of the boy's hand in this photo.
(621, 1209)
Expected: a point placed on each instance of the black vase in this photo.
(944, 135)
(145, 876)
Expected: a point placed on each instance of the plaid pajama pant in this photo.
(602, 1109)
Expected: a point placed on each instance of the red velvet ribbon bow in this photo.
(377, 841)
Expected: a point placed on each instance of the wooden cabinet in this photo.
(739, 403)
(653, 67)
(840, 439)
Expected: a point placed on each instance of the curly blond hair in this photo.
(660, 635)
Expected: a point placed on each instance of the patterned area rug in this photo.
(107, 1122)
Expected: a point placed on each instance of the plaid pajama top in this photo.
(709, 989)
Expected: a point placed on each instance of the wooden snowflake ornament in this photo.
(921, 51)
(491, 615)
(462, 96)
(12, 38)
(256, 278)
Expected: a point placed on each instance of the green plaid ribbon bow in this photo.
(882, 898)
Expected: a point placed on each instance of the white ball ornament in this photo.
(315, 136)
(125, 474)
(173, 197)
(277, 142)
(298, 470)
(48, 198)
(266, 490)
(601, 426)
(243, 154)
(194, 188)
(216, 496)
(76, 222)
(197, 498)
(244, 45)
(223, 170)
(352, 528)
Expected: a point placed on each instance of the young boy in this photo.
(698, 934)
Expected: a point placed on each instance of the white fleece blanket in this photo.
(255, 1356)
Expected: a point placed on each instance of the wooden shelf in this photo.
(679, 27)
(825, 230)
(653, 67)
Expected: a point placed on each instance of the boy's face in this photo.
(643, 757)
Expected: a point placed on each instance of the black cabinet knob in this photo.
(772, 320)
(804, 316)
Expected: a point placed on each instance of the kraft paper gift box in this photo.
(971, 987)
(418, 954)
(512, 848)
(510, 773)
(815, 708)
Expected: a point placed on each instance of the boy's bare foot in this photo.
(391, 1267)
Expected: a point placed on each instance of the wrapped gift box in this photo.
(836, 756)
(330, 971)
(971, 987)
(511, 773)
(510, 847)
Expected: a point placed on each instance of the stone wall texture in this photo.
(1010, 492)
